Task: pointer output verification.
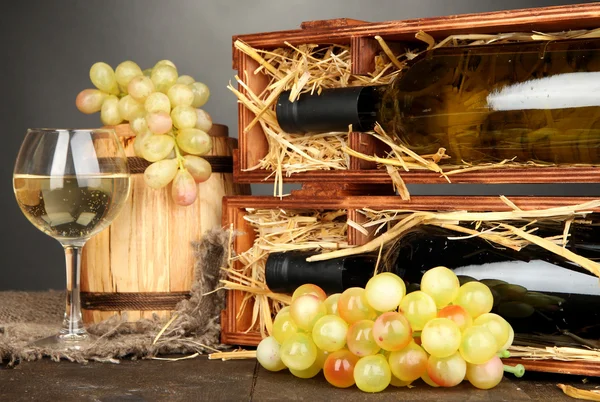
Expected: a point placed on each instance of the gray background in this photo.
(49, 46)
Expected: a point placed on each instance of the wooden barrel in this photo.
(144, 263)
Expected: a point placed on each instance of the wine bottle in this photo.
(284, 272)
(535, 290)
(528, 101)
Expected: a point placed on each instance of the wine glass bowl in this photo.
(71, 184)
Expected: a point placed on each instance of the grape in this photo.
(125, 72)
(478, 345)
(267, 354)
(462, 279)
(103, 78)
(441, 337)
(163, 77)
(129, 108)
(447, 371)
(90, 101)
(159, 122)
(184, 116)
(185, 80)
(157, 102)
(476, 298)
(283, 310)
(138, 142)
(331, 303)
(140, 88)
(384, 291)
(314, 369)
(160, 173)
(540, 301)
(425, 377)
(139, 125)
(486, 375)
(147, 72)
(306, 311)
(157, 147)
(165, 63)
(198, 167)
(515, 309)
(392, 331)
(497, 326)
(194, 141)
(180, 95)
(408, 364)
(201, 94)
(511, 338)
(459, 315)
(298, 352)
(283, 326)
(309, 289)
(441, 284)
(172, 154)
(490, 283)
(109, 113)
(418, 307)
(203, 120)
(360, 339)
(329, 333)
(184, 190)
(372, 373)
(353, 306)
(396, 382)
(339, 368)
(510, 292)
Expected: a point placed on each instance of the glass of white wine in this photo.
(71, 184)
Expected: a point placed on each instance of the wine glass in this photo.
(71, 184)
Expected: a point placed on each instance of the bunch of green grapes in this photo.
(378, 336)
(163, 109)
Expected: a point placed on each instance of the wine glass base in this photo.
(66, 342)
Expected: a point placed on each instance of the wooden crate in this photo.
(359, 35)
(235, 326)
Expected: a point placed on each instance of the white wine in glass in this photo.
(71, 184)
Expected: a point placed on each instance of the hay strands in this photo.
(588, 395)
(235, 355)
(448, 220)
(277, 231)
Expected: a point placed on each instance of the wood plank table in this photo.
(201, 379)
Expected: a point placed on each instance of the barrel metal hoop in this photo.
(143, 301)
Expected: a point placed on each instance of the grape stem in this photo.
(518, 370)
(503, 354)
(178, 153)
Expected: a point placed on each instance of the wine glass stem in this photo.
(73, 323)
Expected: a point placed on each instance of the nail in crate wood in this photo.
(359, 35)
(144, 262)
(236, 324)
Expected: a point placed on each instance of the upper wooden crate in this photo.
(359, 36)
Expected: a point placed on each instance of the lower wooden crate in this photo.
(236, 324)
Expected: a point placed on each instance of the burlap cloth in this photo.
(27, 316)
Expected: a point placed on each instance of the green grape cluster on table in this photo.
(378, 336)
(163, 109)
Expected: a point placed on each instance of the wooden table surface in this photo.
(201, 379)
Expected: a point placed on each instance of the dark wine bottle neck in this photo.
(284, 272)
(332, 110)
